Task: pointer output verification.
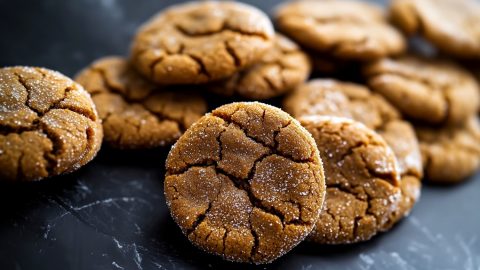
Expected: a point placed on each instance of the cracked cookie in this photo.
(451, 25)
(362, 178)
(136, 113)
(433, 91)
(200, 42)
(343, 29)
(278, 71)
(48, 124)
(450, 154)
(335, 98)
(245, 182)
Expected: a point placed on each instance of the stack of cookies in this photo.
(342, 159)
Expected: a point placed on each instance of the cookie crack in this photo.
(117, 92)
(51, 157)
(203, 68)
(367, 213)
(80, 111)
(356, 222)
(256, 202)
(256, 240)
(383, 176)
(224, 239)
(105, 81)
(201, 217)
(28, 90)
(7, 129)
(341, 187)
(225, 27)
(336, 19)
(273, 148)
(54, 105)
(269, 82)
(233, 54)
(155, 62)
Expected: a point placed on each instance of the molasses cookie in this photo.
(342, 99)
(362, 179)
(451, 25)
(49, 125)
(136, 113)
(200, 42)
(279, 71)
(450, 154)
(343, 29)
(245, 182)
(433, 91)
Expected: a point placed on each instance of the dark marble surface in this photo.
(112, 215)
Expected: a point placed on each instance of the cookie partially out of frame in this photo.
(450, 154)
(451, 25)
(432, 91)
(49, 124)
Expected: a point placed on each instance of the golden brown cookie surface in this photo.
(450, 154)
(280, 69)
(432, 91)
(362, 179)
(49, 125)
(245, 182)
(135, 113)
(342, 99)
(344, 29)
(451, 25)
(200, 42)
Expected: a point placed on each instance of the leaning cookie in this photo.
(137, 114)
(362, 177)
(432, 91)
(335, 98)
(245, 182)
(279, 70)
(49, 124)
(200, 42)
(451, 25)
(343, 29)
(450, 154)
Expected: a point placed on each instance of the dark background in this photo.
(112, 215)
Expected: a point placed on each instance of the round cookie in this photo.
(334, 98)
(362, 178)
(200, 42)
(279, 71)
(451, 25)
(342, 29)
(433, 91)
(136, 113)
(450, 154)
(245, 182)
(49, 125)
